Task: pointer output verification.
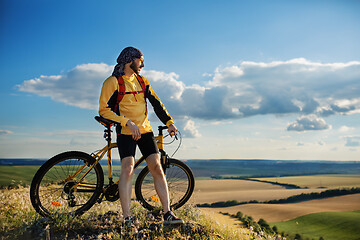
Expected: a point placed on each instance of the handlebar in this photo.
(161, 128)
(109, 123)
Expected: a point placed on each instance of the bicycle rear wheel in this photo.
(56, 189)
(180, 180)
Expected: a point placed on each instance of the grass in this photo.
(18, 220)
(329, 225)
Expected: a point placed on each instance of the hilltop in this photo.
(103, 221)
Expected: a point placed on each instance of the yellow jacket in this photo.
(133, 106)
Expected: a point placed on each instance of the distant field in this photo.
(269, 168)
(329, 225)
(15, 175)
(285, 212)
(319, 181)
(209, 191)
(338, 224)
(11, 169)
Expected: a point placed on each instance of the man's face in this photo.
(137, 65)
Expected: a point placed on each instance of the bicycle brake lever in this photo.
(173, 134)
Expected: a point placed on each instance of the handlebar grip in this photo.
(161, 128)
(175, 135)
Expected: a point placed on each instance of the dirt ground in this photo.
(320, 181)
(210, 191)
(284, 212)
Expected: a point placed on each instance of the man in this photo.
(134, 127)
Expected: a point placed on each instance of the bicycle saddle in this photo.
(106, 122)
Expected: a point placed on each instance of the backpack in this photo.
(122, 92)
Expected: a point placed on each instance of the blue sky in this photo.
(243, 79)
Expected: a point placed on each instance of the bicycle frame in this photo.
(73, 181)
(98, 155)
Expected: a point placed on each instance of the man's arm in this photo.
(135, 131)
(160, 109)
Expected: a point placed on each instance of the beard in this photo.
(135, 68)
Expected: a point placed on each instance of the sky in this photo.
(249, 79)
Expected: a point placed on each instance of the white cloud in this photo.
(297, 86)
(231, 72)
(78, 87)
(5, 132)
(190, 130)
(344, 129)
(307, 123)
(207, 75)
(352, 141)
(165, 84)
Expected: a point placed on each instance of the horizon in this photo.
(242, 79)
(115, 160)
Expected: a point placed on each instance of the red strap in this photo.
(141, 81)
(122, 92)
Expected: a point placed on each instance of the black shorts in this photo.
(127, 145)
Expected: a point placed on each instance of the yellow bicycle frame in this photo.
(100, 154)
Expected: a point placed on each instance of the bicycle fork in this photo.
(164, 158)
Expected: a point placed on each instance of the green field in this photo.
(17, 175)
(23, 175)
(22, 170)
(329, 225)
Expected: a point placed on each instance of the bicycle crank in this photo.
(112, 193)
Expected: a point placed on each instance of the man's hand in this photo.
(136, 135)
(172, 130)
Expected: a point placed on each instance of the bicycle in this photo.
(72, 182)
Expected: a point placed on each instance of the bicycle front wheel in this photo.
(180, 180)
(66, 184)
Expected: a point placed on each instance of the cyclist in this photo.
(128, 107)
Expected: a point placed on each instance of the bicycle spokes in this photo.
(180, 185)
(68, 185)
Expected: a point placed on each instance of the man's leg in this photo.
(125, 187)
(155, 168)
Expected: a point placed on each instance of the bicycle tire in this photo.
(51, 191)
(180, 180)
